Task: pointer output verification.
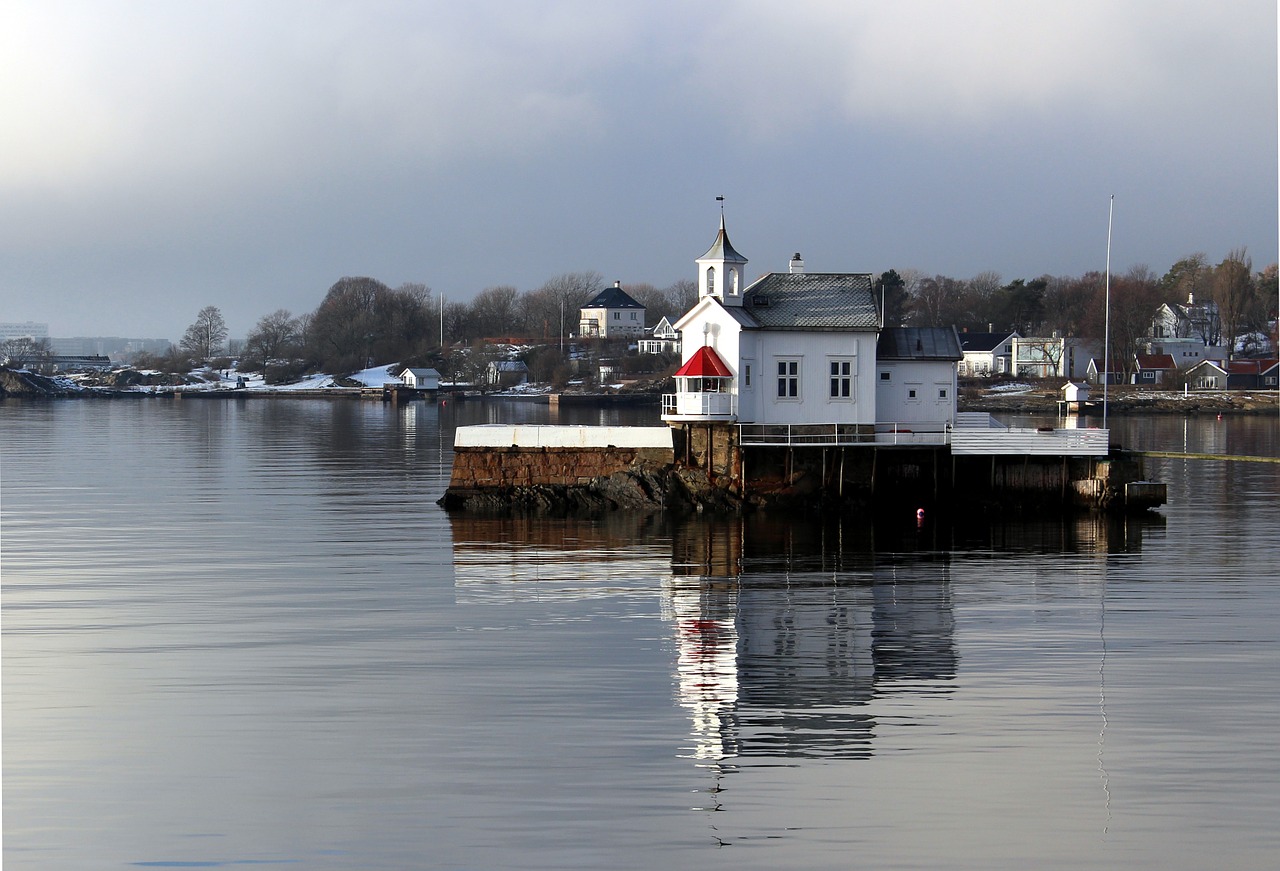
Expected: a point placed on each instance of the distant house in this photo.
(421, 379)
(665, 339)
(986, 354)
(1186, 352)
(507, 373)
(1234, 375)
(1152, 369)
(916, 376)
(1051, 356)
(1192, 320)
(1093, 373)
(612, 314)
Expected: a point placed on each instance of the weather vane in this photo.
(720, 200)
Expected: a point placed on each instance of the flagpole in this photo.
(1106, 330)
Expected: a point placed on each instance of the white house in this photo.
(916, 378)
(791, 348)
(1193, 320)
(665, 339)
(987, 354)
(1052, 356)
(611, 314)
(421, 379)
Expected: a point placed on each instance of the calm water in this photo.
(242, 633)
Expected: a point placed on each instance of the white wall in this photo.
(934, 385)
(813, 351)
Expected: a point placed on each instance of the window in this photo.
(913, 392)
(746, 375)
(942, 393)
(884, 376)
(789, 379)
(711, 280)
(617, 316)
(633, 316)
(733, 282)
(840, 384)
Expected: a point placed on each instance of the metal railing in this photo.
(700, 405)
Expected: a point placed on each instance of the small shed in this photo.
(507, 373)
(421, 379)
(1075, 391)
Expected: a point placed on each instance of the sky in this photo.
(159, 157)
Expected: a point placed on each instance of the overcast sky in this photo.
(157, 157)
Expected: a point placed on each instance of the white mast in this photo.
(1106, 330)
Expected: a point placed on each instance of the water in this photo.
(242, 633)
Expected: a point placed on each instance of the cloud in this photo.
(925, 65)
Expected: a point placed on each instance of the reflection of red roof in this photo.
(705, 363)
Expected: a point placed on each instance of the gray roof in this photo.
(811, 301)
(722, 249)
(918, 343)
(983, 341)
(613, 297)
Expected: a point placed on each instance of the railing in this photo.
(721, 406)
(841, 435)
(1035, 442)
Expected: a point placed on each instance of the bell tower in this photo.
(721, 270)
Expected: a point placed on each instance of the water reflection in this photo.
(783, 638)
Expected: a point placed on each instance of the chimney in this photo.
(617, 284)
(797, 265)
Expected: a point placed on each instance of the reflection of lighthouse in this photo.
(706, 662)
(776, 659)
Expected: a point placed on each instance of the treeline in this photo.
(362, 320)
(1077, 306)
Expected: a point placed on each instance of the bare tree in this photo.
(205, 338)
(570, 291)
(682, 295)
(495, 310)
(1233, 292)
(276, 336)
(1134, 296)
(25, 351)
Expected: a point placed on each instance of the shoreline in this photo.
(1032, 400)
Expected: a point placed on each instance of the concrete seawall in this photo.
(558, 468)
(500, 468)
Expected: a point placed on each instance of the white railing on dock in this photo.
(1046, 441)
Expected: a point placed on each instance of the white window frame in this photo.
(788, 371)
(842, 372)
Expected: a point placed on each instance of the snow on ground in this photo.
(1011, 387)
(376, 376)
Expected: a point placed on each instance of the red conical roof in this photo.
(705, 363)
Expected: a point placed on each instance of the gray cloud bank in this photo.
(157, 157)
